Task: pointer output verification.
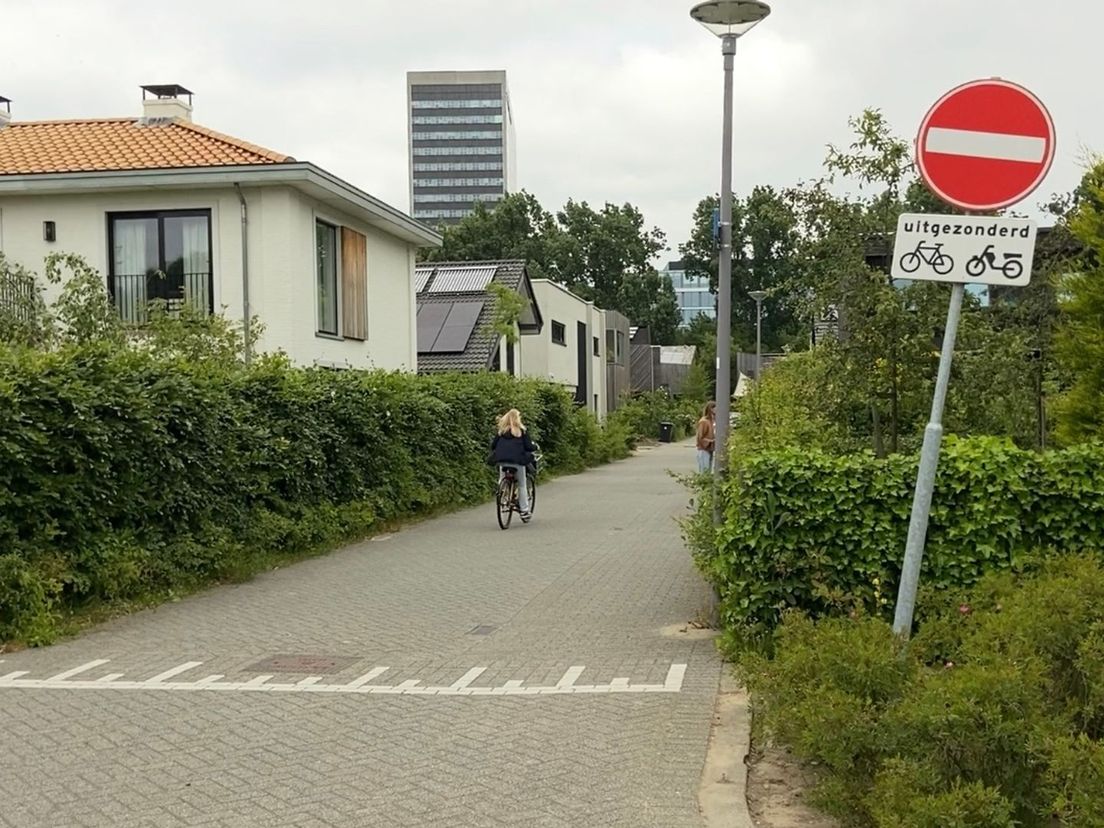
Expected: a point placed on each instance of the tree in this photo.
(517, 227)
(1080, 340)
(649, 301)
(598, 250)
(603, 255)
(764, 257)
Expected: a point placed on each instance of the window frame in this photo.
(333, 227)
(563, 333)
(159, 216)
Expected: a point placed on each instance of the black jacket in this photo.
(514, 451)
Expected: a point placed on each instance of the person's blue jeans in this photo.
(519, 475)
(705, 461)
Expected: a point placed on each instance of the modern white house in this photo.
(169, 210)
(571, 349)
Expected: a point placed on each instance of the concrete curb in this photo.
(723, 792)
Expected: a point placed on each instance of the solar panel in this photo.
(431, 318)
(458, 328)
(463, 279)
(421, 278)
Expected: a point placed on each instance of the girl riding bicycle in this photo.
(513, 448)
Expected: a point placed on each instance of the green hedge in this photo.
(992, 718)
(641, 415)
(123, 473)
(826, 534)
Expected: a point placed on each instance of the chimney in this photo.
(166, 102)
(5, 111)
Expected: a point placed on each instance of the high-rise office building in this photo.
(462, 145)
(692, 292)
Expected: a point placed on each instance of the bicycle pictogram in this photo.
(930, 254)
(987, 260)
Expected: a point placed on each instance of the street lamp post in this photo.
(728, 19)
(758, 296)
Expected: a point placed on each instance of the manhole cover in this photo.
(483, 629)
(302, 664)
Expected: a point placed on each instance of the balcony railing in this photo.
(134, 292)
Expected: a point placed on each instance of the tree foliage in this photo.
(602, 255)
(1081, 340)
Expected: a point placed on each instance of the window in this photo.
(326, 247)
(459, 135)
(459, 166)
(459, 103)
(342, 288)
(449, 198)
(160, 256)
(559, 333)
(458, 182)
(441, 214)
(609, 346)
(458, 150)
(597, 347)
(432, 120)
(619, 357)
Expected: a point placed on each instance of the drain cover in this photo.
(302, 664)
(483, 629)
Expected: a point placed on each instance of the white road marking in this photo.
(361, 686)
(78, 670)
(570, 677)
(175, 671)
(468, 678)
(996, 145)
(674, 678)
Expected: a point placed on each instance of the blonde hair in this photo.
(511, 422)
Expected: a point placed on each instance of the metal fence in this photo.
(19, 298)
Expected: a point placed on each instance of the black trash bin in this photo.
(666, 432)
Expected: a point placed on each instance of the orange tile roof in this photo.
(109, 144)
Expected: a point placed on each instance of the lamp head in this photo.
(730, 18)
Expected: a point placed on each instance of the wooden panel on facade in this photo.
(354, 284)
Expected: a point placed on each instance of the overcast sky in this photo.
(615, 100)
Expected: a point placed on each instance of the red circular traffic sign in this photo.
(985, 145)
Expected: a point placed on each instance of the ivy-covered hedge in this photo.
(124, 473)
(826, 534)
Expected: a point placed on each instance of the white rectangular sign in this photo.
(966, 249)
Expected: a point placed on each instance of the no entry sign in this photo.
(985, 145)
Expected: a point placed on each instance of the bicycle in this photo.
(931, 254)
(987, 259)
(506, 496)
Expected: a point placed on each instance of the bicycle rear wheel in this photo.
(504, 503)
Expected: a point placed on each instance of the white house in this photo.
(571, 349)
(167, 209)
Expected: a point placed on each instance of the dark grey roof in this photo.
(482, 345)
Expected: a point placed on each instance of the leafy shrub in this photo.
(165, 464)
(990, 718)
(641, 415)
(825, 534)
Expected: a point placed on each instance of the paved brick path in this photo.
(589, 584)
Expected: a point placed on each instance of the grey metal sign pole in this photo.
(925, 479)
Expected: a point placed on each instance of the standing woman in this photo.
(706, 438)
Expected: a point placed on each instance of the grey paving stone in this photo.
(590, 582)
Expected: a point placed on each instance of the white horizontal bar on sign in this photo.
(996, 145)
